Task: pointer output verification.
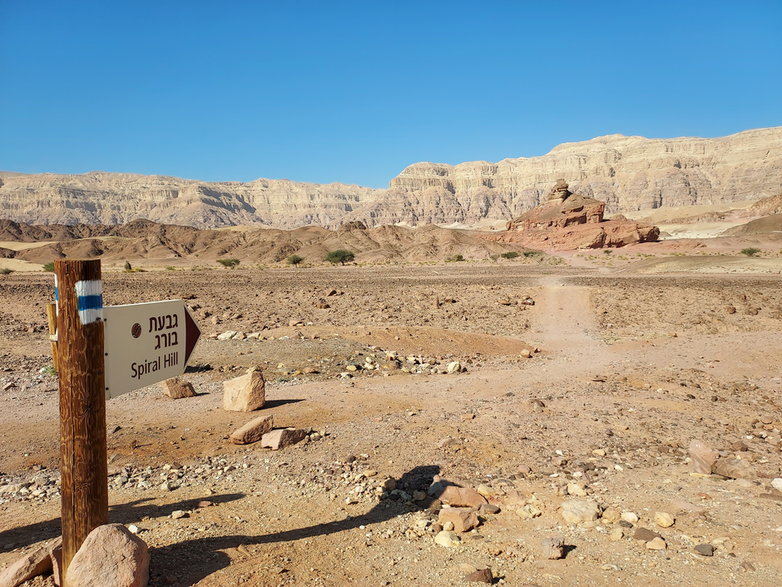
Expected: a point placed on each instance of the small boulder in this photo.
(704, 549)
(110, 555)
(447, 539)
(656, 544)
(245, 393)
(733, 469)
(459, 496)
(576, 511)
(463, 519)
(702, 457)
(663, 519)
(480, 576)
(553, 548)
(176, 388)
(253, 431)
(283, 437)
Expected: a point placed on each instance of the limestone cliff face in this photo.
(115, 198)
(628, 173)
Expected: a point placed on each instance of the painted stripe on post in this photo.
(89, 295)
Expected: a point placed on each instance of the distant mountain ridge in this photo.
(628, 173)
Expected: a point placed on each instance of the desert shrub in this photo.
(6, 271)
(340, 256)
(294, 259)
(170, 268)
(455, 258)
(509, 255)
(530, 254)
(750, 252)
(49, 266)
(230, 263)
(128, 266)
(607, 251)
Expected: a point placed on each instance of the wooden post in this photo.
(51, 317)
(83, 463)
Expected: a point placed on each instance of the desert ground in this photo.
(594, 392)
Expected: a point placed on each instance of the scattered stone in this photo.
(489, 508)
(777, 483)
(245, 393)
(656, 544)
(704, 549)
(733, 469)
(253, 430)
(576, 511)
(454, 367)
(227, 335)
(629, 517)
(663, 519)
(34, 563)
(617, 534)
(177, 514)
(283, 437)
(645, 535)
(457, 496)
(133, 529)
(176, 388)
(110, 555)
(480, 576)
(462, 519)
(447, 538)
(576, 489)
(553, 548)
(702, 457)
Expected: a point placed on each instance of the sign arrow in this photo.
(192, 334)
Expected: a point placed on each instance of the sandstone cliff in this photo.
(628, 173)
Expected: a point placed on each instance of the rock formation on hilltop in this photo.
(572, 221)
(627, 173)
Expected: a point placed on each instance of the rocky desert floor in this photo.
(633, 364)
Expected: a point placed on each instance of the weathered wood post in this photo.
(83, 463)
(51, 317)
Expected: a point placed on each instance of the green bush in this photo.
(455, 258)
(509, 255)
(340, 256)
(750, 252)
(128, 266)
(230, 263)
(294, 259)
(5, 271)
(49, 266)
(529, 254)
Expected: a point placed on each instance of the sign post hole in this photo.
(83, 462)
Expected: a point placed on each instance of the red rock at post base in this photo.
(36, 562)
(246, 392)
(463, 519)
(460, 496)
(110, 555)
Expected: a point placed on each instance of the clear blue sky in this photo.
(354, 91)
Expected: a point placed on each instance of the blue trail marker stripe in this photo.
(90, 302)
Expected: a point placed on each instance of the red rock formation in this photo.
(571, 221)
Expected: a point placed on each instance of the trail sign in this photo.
(146, 343)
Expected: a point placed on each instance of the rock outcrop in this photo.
(572, 221)
(627, 173)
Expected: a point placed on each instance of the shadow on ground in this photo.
(204, 553)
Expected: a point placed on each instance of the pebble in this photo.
(629, 517)
(447, 539)
(663, 519)
(480, 576)
(616, 534)
(177, 514)
(576, 511)
(553, 548)
(656, 544)
(777, 483)
(705, 549)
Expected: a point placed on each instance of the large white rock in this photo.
(245, 393)
(577, 511)
(110, 555)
